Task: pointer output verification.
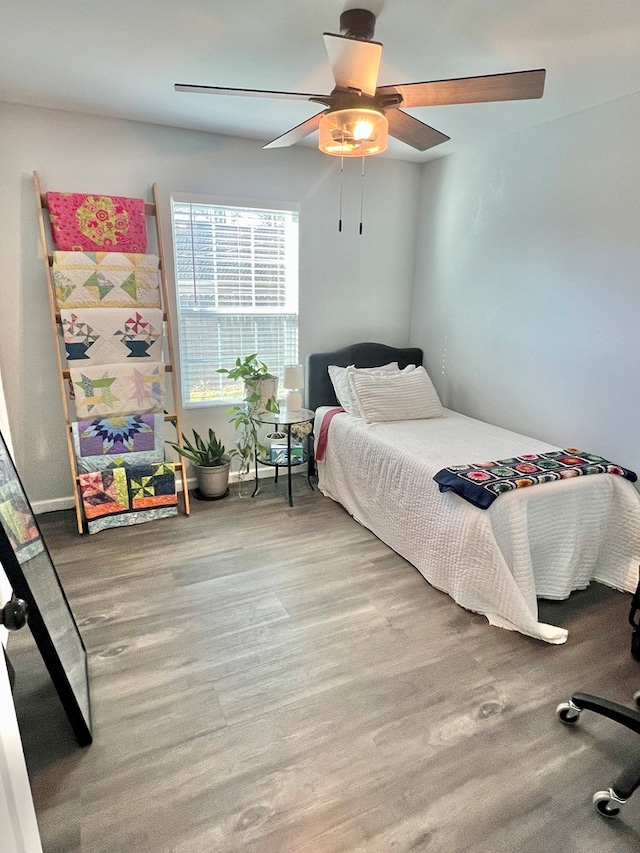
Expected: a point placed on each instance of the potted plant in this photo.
(246, 439)
(210, 461)
(260, 389)
(260, 386)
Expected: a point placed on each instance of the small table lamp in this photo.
(293, 381)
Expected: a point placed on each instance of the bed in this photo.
(531, 543)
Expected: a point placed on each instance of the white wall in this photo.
(351, 287)
(528, 280)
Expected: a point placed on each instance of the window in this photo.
(237, 293)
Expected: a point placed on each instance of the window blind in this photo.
(237, 293)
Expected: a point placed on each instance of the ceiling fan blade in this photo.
(355, 63)
(415, 133)
(251, 93)
(296, 133)
(518, 85)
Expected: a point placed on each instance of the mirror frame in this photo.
(15, 557)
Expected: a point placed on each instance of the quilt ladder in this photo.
(152, 211)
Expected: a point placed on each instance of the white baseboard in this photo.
(52, 505)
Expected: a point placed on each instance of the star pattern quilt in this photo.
(106, 280)
(118, 389)
(118, 441)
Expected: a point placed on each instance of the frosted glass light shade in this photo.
(353, 132)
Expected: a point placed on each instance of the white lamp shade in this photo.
(293, 376)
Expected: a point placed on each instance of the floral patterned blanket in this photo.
(482, 482)
(97, 223)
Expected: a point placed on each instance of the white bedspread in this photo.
(543, 541)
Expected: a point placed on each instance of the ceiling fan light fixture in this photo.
(353, 132)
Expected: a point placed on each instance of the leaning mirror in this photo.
(33, 576)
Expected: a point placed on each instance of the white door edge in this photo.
(17, 815)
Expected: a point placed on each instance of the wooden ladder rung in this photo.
(169, 417)
(179, 466)
(59, 318)
(50, 259)
(168, 368)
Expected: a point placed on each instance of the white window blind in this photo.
(237, 293)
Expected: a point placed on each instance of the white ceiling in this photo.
(121, 58)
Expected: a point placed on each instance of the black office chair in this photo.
(608, 802)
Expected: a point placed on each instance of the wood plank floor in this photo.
(276, 680)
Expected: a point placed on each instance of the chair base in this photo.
(608, 802)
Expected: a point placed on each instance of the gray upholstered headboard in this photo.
(319, 390)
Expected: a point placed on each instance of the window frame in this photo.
(293, 306)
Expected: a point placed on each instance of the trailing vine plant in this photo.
(245, 417)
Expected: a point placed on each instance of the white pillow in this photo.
(344, 393)
(387, 370)
(396, 397)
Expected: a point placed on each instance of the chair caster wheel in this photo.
(606, 803)
(567, 713)
(636, 699)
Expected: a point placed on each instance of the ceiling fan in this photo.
(360, 115)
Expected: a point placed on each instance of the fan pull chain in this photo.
(341, 177)
(361, 195)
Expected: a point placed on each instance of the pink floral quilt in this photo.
(93, 223)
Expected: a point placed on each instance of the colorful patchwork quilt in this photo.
(104, 492)
(112, 336)
(106, 280)
(118, 441)
(118, 389)
(18, 522)
(120, 497)
(482, 482)
(16, 516)
(81, 222)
